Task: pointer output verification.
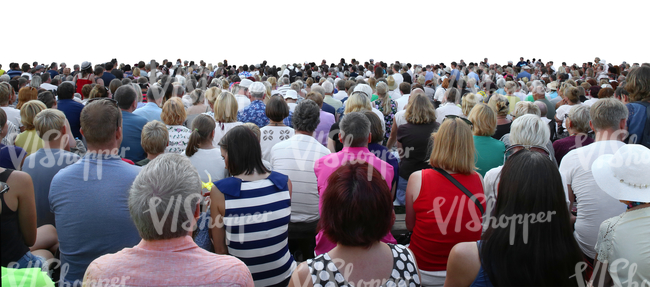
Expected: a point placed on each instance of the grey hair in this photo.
(36, 82)
(526, 107)
(5, 78)
(285, 80)
(328, 87)
(501, 83)
(318, 89)
(579, 117)
(355, 129)
(56, 80)
(539, 90)
(306, 116)
(607, 113)
(382, 88)
(170, 179)
(138, 92)
(296, 87)
(529, 130)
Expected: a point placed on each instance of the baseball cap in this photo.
(256, 87)
(291, 94)
(245, 83)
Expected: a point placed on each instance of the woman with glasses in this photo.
(413, 141)
(438, 212)
(489, 151)
(522, 252)
(528, 132)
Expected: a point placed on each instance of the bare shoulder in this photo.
(300, 275)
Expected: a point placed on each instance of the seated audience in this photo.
(326, 119)
(225, 115)
(11, 156)
(69, 107)
(131, 147)
(276, 131)
(151, 110)
(500, 106)
(205, 157)
(29, 140)
(155, 139)
(489, 151)
(577, 124)
(173, 115)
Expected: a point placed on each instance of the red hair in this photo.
(357, 206)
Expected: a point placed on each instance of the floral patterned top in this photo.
(179, 136)
(256, 113)
(378, 104)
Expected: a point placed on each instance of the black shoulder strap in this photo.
(462, 188)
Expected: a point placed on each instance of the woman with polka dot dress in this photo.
(357, 213)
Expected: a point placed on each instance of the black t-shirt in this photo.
(117, 73)
(501, 131)
(416, 147)
(407, 78)
(334, 135)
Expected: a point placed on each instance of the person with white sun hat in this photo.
(623, 246)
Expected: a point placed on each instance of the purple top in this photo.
(323, 129)
(567, 144)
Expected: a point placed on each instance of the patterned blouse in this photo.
(179, 136)
(378, 104)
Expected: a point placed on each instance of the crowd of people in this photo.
(193, 174)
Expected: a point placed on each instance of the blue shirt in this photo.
(455, 73)
(107, 77)
(329, 108)
(131, 147)
(523, 74)
(90, 202)
(14, 73)
(149, 111)
(384, 154)
(53, 73)
(636, 121)
(72, 111)
(42, 166)
(428, 76)
(256, 113)
(11, 156)
(474, 76)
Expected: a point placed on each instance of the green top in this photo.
(530, 98)
(489, 153)
(25, 277)
(374, 98)
(143, 162)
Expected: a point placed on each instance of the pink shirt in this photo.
(326, 165)
(170, 262)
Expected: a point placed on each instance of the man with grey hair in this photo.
(539, 95)
(296, 157)
(328, 89)
(243, 95)
(151, 111)
(46, 83)
(169, 182)
(355, 135)
(286, 85)
(608, 121)
(256, 111)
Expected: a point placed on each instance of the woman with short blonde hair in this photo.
(501, 106)
(173, 115)
(29, 139)
(489, 151)
(225, 115)
(452, 154)
(468, 102)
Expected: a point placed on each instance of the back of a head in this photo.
(173, 112)
(364, 88)
(202, 127)
(484, 120)
(5, 94)
(306, 116)
(452, 95)
(420, 110)
(99, 122)
(382, 89)
(453, 147)
(376, 131)
(125, 96)
(468, 102)
(638, 84)
(499, 104)
(28, 112)
(356, 206)
(316, 97)
(154, 138)
(114, 85)
(318, 89)
(579, 117)
(168, 177)
(3, 118)
(197, 96)
(526, 107)
(355, 129)
(225, 108)
(525, 191)
(357, 101)
(405, 88)
(47, 98)
(277, 109)
(65, 91)
(572, 94)
(543, 109)
(529, 129)
(608, 114)
(244, 154)
(328, 87)
(48, 124)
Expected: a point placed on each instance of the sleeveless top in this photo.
(324, 272)
(13, 245)
(256, 223)
(80, 84)
(444, 216)
(482, 279)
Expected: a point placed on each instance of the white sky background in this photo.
(288, 31)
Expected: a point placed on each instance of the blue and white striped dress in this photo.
(256, 222)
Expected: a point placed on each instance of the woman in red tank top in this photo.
(437, 212)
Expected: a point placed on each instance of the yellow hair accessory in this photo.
(207, 185)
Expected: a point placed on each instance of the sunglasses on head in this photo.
(457, 117)
(515, 148)
(4, 187)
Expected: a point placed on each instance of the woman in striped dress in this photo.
(252, 211)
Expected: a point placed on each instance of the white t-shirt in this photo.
(179, 136)
(221, 129)
(271, 135)
(242, 102)
(590, 102)
(49, 87)
(395, 94)
(295, 158)
(594, 205)
(562, 111)
(209, 161)
(402, 102)
(13, 115)
(398, 79)
(400, 118)
(340, 95)
(292, 106)
(447, 109)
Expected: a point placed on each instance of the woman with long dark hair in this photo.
(205, 157)
(529, 241)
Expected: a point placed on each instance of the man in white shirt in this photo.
(342, 94)
(295, 157)
(243, 95)
(405, 91)
(46, 80)
(608, 120)
(286, 85)
(449, 107)
(396, 75)
(7, 96)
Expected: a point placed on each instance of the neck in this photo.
(130, 110)
(56, 144)
(207, 144)
(356, 251)
(639, 206)
(108, 149)
(152, 156)
(610, 135)
(274, 123)
(305, 133)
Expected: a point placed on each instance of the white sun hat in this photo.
(624, 175)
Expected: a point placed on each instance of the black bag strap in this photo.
(462, 188)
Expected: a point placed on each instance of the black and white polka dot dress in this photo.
(324, 272)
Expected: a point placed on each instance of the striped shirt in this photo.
(256, 221)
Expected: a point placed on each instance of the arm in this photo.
(290, 186)
(412, 192)
(572, 199)
(600, 277)
(331, 145)
(300, 277)
(463, 265)
(26, 206)
(217, 211)
(393, 136)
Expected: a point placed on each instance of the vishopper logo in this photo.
(586, 158)
(614, 270)
(54, 263)
(457, 206)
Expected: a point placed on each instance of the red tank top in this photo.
(80, 84)
(444, 216)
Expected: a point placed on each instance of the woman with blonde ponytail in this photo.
(386, 106)
(205, 157)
